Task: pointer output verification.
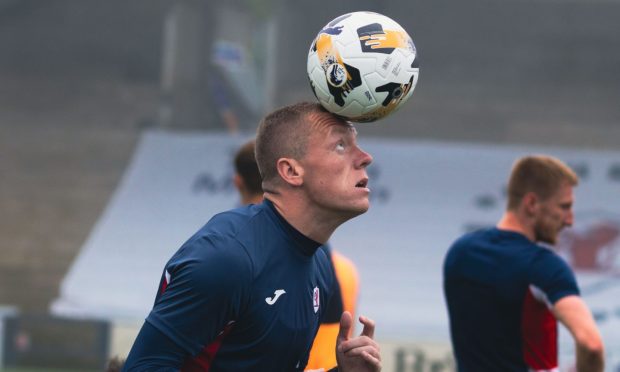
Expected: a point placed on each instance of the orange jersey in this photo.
(323, 353)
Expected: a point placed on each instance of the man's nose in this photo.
(365, 158)
(569, 218)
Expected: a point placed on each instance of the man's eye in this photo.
(340, 146)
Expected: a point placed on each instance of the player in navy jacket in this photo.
(505, 293)
(248, 290)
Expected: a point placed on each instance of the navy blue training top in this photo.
(499, 287)
(246, 292)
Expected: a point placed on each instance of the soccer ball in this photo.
(363, 66)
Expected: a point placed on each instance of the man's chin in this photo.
(551, 240)
(364, 208)
(358, 210)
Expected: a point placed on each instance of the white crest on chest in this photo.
(316, 301)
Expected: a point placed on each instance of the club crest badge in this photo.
(316, 299)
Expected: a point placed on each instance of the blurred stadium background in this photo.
(81, 80)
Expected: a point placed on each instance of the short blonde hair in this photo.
(283, 133)
(540, 174)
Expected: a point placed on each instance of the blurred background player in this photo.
(223, 104)
(505, 292)
(247, 180)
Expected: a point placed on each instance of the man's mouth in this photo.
(363, 183)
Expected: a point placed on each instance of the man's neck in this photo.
(316, 226)
(512, 222)
(253, 199)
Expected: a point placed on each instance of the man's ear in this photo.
(238, 182)
(530, 202)
(290, 171)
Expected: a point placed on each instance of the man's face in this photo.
(334, 165)
(554, 214)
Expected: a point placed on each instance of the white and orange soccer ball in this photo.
(363, 66)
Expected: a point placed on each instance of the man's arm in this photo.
(207, 284)
(575, 315)
(154, 350)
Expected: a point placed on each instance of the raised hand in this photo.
(357, 354)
